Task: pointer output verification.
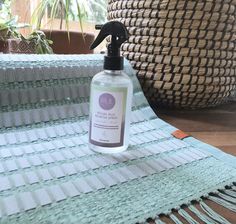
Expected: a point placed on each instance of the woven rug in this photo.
(49, 175)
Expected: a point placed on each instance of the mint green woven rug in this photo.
(49, 175)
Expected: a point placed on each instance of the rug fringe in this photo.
(227, 198)
(201, 215)
(175, 219)
(187, 217)
(158, 221)
(230, 193)
(223, 202)
(213, 214)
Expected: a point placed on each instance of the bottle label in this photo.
(107, 116)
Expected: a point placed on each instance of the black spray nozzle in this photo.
(119, 34)
(116, 29)
(98, 27)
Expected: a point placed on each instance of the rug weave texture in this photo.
(49, 175)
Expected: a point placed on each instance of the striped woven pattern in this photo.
(183, 51)
(48, 175)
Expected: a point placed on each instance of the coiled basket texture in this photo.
(183, 50)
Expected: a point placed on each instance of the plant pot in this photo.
(72, 43)
(17, 46)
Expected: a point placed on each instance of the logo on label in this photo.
(107, 101)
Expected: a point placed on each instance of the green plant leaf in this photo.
(38, 13)
(79, 15)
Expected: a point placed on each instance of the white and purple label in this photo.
(107, 116)
(107, 101)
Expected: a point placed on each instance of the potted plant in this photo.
(12, 41)
(39, 42)
(65, 40)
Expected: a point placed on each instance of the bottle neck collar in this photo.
(113, 72)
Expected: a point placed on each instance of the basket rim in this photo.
(208, 5)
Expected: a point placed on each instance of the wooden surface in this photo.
(216, 126)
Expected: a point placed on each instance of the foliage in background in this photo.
(94, 10)
(5, 11)
(42, 44)
(70, 10)
(8, 23)
(9, 29)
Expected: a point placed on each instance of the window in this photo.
(91, 12)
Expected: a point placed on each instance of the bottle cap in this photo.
(119, 34)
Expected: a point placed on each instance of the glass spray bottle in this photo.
(110, 95)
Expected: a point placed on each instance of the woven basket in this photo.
(186, 79)
(183, 51)
(182, 33)
(161, 69)
(178, 51)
